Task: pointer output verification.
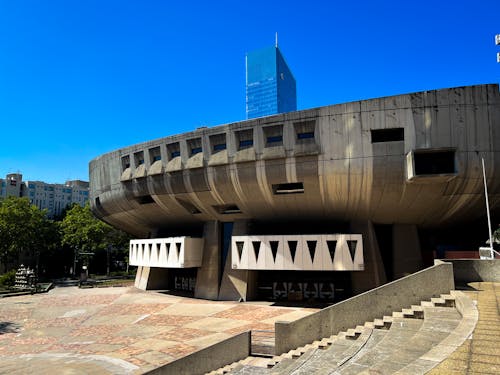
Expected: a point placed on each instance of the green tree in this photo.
(24, 231)
(84, 233)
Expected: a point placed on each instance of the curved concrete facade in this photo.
(327, 163)
(408, 162)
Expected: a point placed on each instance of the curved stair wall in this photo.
(394, 296)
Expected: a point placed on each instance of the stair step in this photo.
(418, 311)
(437, 301)
(371, 325)
(426, 304)
(325, 343)
(449, 299)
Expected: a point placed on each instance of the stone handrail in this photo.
(393, 296)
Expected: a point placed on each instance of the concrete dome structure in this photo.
(409, 161)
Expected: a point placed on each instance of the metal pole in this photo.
(487, 209)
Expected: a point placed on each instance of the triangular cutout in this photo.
(239, 247)
(311, 245)
(274, 248)
(351, 244)
(292, 245)
(158, 250)
(256, 248)
(178, 246)
(332, 245)
(167, 247)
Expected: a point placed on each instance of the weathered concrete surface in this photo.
(346, 176)
(207, 280)
(374, 273)
(148, 278)
(223, 353)
(422, 285)
(406, 254)
(237, 284)
(470, 270)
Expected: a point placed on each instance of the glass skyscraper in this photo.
(270, 85)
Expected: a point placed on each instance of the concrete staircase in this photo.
(412, 340)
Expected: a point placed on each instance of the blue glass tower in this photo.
(270, 85)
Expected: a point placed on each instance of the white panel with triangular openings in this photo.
(172, 252)
(322, 247)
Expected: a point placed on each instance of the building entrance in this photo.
(182, 280)
(303, 286)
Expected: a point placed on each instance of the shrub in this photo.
(8, 279)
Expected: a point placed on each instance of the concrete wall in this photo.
(470, 270)
(207, 279)
(422, 285)
(148, 278)
(346, 175)
(223, 353)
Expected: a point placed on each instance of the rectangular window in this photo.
(219, 147)
(145, 199)
(274, 139)
(154, 154)
(304, 130)
(273, 135)
(307, 135)
(227, 209)
(217, 142)
(173, 150)
(125, 164)
(434, 162)
(388, 135)
(194, 146)
(244, 139)
(246, 144)
(139, 158)
(288, 188)
(196, 150)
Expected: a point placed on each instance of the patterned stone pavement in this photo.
(480, 354)
(118, 330)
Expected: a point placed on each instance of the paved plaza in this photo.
(118, 330)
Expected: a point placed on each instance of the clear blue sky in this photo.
(79, 78)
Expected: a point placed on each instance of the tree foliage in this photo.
(28, 236)
(82, 231)
(24, 229)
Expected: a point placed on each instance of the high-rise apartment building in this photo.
(270, 85)
(52, 197)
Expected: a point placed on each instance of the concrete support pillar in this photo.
(148, 278)
(374, 273)
(238, 284)
(406, 253)
(207, 279)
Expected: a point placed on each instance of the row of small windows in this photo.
(273, 135)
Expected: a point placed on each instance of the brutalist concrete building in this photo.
(305, 204)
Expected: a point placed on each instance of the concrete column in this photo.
(148, 278)
(207, 279)
(406, 254)
(374, 273)
(238, 284)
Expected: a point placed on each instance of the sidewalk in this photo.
(481, 353)
(118, 330)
